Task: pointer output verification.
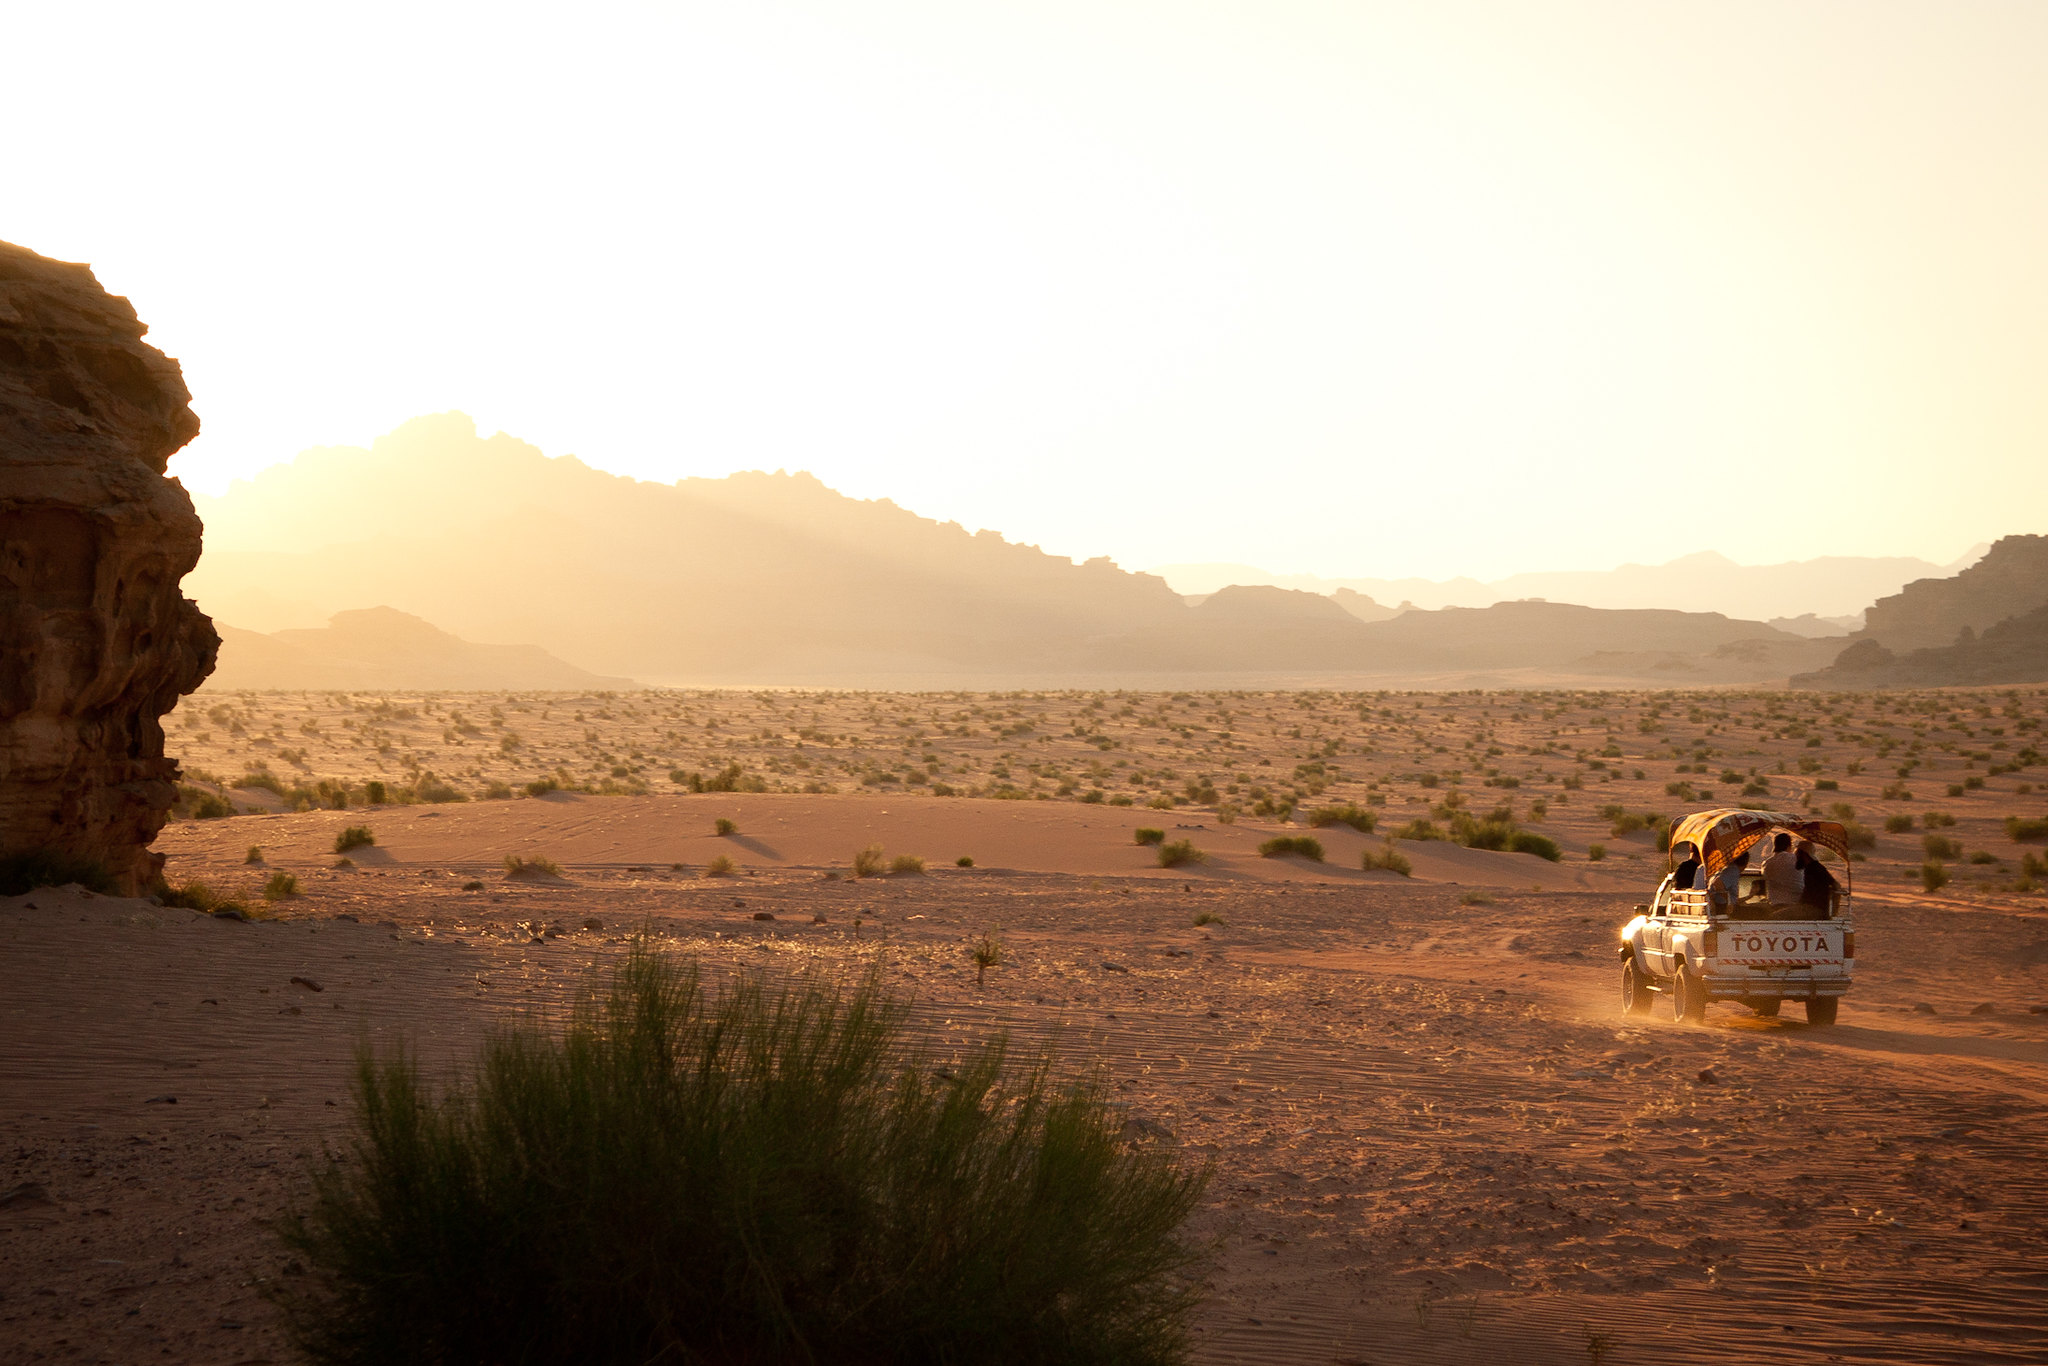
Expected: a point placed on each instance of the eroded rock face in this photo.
(96, 640)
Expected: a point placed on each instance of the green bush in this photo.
(1388, 860)
(1595, 852)
(1933, 877)
(540, 787)
(906, 863)
(280, 887)
(964, 861)
(757, 1174)
(2018, 829)
(723, 826)
(722, 866)
(516, 866)
(1207, 918)
(1350, 813)
(355, 837)
(1308, 846)
(1898, 825)
(869, 862)
(1146, 834)
(373, 793)
(1419, 830)
(21, 873)
(1529, 842)
(1174, 853)
(197, 896)
(1941, 846)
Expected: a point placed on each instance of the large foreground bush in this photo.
(759, 1174)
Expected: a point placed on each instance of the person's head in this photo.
(1806, 849)
(1783, 842)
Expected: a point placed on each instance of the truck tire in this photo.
(1637, 996)
(1768, 1007)
(1821, 1010)
(1688, 998)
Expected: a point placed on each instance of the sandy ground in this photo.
(1435, 1137)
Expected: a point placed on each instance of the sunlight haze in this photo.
(1335, 289)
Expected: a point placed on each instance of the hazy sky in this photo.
(1339, 288)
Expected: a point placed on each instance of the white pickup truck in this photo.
(1695, 950)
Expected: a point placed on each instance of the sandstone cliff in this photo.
(2011, 580)
(96, 640)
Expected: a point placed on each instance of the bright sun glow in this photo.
(1338, 288)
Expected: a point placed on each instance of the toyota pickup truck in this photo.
(1722, 939)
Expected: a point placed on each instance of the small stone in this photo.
(308, 983)
(26, 1195)
(161, 1100)
(593, 924)
(1707, 1077)
(1215, 1014)
(1923, 1009)
(1108, 966)
(1985, 1009)
(763, 915)
(817, 920)
(2037, 1010)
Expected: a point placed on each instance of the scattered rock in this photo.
(1984, 1009)
(1923, 1009)
(2037, 1010)
(763, 915)
(27, 1195)
(1108, 966)
(1707, 1078)
(161, 1100)
(817, 920)
(472, 886)
(308, 983)
(593, 924)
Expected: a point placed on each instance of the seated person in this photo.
(1687, 878)
(1817, 890)
(1784, 879)
(1725, 893)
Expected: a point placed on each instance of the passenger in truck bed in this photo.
(1818, 890)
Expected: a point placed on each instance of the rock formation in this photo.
(2011, 580)
(96, 640)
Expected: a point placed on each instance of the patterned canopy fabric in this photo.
(1723, 835)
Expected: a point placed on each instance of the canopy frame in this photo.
(1727, 833)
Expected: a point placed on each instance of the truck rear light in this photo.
(1848, 943)
(1710, 942)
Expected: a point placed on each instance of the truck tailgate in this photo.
(1780, 944)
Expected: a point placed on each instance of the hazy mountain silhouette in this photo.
(1835, 586)
(775, 578)
(381, 648)
(1987, 624)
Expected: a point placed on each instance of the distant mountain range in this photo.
(776, 579)
(379, 648)
(1838, 587)
(1986, 625)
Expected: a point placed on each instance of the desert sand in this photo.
(1435, 1137)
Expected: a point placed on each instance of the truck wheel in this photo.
(1821, 1010)
(1688, 998)
(1636, 994)
(1768, 1007)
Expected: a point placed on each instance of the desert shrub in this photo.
(754, 1174)
(255, 854)
(355, 837)
(20, 873)
(373, 793)
(260, 779)
(1350, 813)
(497, 791)
(987, 953)
(1475, 899)
(1595, 852)
(869, 862)
(1146, 834)
(722, 866)
(197, 896)
(1207, 918)
(204, 805)
(428, 788)
(1983, 856)
(1941, 846)
(906, 863)
(1386, 859)
(1826, 785)
(1937, 820)
(281, 887)
(964, 861)
(1308, 846)
(1174, 853)
(540, 787)
(1933, 877)
(2018, 829)
(1898, 825)
(723, 826)
(1121, 799)
(516, 866)
(1529, 842)
(1419, 830)
(1859, 835)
